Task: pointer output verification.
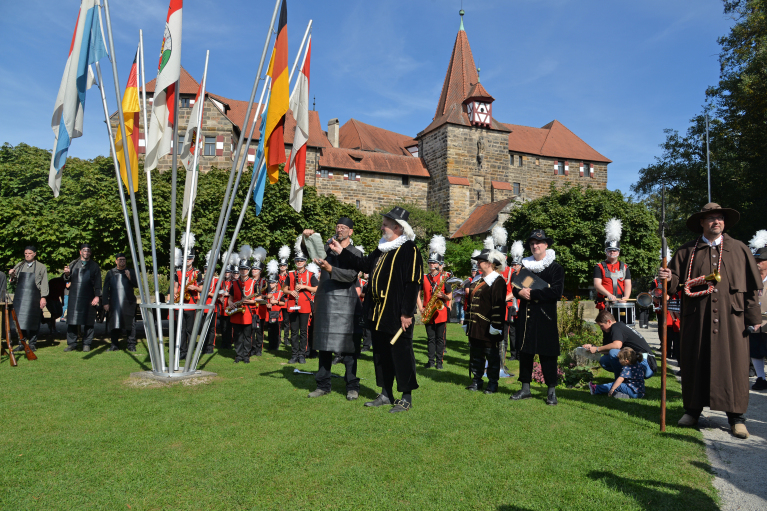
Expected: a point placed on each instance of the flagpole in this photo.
(143, 291)
(150, 205)
(298, 55)
(203, 296)
(228, 202)
(174, 339)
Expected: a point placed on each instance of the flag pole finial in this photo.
(461, 12)
(478, 70)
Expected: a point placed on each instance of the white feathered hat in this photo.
(613, 231)
(437, 247)
(500, 237)
(188, 243)
(474, 255)
(758, 245)
(259, 256)
(312, 267)
(179, 257)
(272, 268)
(245, 252)
(234, 261)
(300, 256)
(517, 252)
(283, 255)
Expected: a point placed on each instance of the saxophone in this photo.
(187, 294)
(435, 304)
(237, 307)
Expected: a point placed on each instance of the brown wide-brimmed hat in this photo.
(731, 217)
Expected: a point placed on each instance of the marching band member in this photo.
(31, 278)
(260, 313)
(484, 321)
(337, 316)
(283, 255)
(612, 278)
(120, 303)
(537, 332)
(276, 304)
(227, 335)
(210, 299)
(243, 290)
(395, 280)
(299, 286)
(435, 288)
(84, 276)
(190, 294)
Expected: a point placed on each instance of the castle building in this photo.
(465, 164)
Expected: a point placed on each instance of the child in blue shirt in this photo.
(630, 382)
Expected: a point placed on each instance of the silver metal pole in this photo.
(298, 55)
(172, 339)
(708, 161)
(150, 205)
(193, 184)
(143, 291)
(229, 197)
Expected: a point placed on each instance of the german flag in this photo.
(278, 103)
(131, 116)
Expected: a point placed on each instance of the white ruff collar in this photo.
(387, 246)
(538, 266)
(491, 278)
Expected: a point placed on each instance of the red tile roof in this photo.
(358, 135)
(477, 91)
(553, 140)
(455, 180)
(481, 220)
(188, 85)
(368, 161)
(500, 185)
(461, 78)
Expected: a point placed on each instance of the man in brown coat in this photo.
(716, 312)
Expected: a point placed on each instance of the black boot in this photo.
(492, 387)
(522, 394)
(475, 385)
(551, 398)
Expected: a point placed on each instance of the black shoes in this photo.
(246, 360)
(18, 349)
(379, 401)
(318, 393)
(132, 349)
(522, 394)
(760, 384)
(113, 348)
(439, 367)
(475, 386)
(237, 360)
(491, 389)
(301, 360)
(551, 398)
(293, 360)
(352, 395)
(86, 347)
(71, 348)
(429, 365)
(400, 406)
(337, 359)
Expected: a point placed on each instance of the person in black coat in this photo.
(395, 269)
(484, 320)
(537, 332)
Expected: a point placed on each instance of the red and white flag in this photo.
(299, 103)
(190, 148)
(160, 136)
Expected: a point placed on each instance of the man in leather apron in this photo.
(84, 276)
(31, 279)
(120, 303)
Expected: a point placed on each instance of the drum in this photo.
(623, 312)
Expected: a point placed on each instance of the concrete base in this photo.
(149, 375)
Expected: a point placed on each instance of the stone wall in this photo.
(537, 173)
(373, 190)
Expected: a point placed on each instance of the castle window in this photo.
(512, 159)
(324, 173)
(405, 180)
(537, 161)
(186, 102)
(516, 188)
(561, 168)
(352, 176)
(358, 204)
(520, 160)
(210, 146)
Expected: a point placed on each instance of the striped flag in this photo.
(131, 117)
(160, 136)
(299, 104)
(190, 148)
(86, 48)
(278, 103)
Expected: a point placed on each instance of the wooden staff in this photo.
(8, 338)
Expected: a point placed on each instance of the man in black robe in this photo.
(84, 296)
(120, 303)
(395, 269)
(31, 279)
(337, 316)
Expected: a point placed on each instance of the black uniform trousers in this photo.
(210, 337)
(117, 332)
(285, 326)
(510, 340)
(672, 339)
(350, 362)
(258, 336)
(395, 360)
(548, 368)
(435, 335)
(299, 333)
(187, 322)
(227, 332)
(242, 338)
(30, 336)
(479, 352)
(367, 339)
(88, 331)
(273, 334)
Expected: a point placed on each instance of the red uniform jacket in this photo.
(239, 291)
(611, 269)
(429, 287)
(305, 298)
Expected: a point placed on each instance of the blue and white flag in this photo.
(87, 47)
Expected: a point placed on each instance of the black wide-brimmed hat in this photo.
(731, 217)
(761, 254)
(490, 255)
(397, 213)
(539, 235)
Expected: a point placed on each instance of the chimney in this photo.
(333, 132)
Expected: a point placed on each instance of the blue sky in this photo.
(615, 73)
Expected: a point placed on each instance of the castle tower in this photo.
(464, 148)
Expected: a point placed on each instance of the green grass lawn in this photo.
(78, 435)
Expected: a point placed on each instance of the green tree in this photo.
(575, 218)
